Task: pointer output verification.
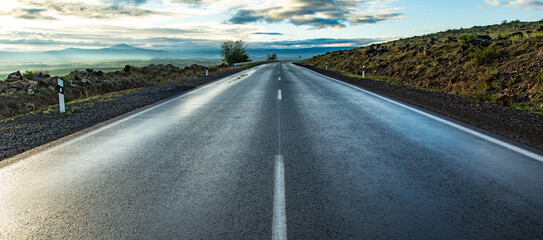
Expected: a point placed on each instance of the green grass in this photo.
(6, 120)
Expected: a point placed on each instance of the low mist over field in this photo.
(58, 68)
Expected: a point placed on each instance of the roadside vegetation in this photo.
(234, 52)
(272, 57)
(62, 68)
(30, 91)
(499, 63)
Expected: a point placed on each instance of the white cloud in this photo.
(320, 13)
(57, 24)
(516, 3)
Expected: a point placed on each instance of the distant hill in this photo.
(291, 53)
(124, 47)
(117, 52)
(126, 52)
(501, 63)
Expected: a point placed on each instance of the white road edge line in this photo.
(279, 222)
(279, 97)
(509, 146)
(101, 129)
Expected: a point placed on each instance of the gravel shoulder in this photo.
(32, 130)
(521, 126)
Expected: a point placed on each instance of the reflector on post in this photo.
(60, 87)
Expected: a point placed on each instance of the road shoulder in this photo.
(518, 125)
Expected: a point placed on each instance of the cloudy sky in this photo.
(35, 25)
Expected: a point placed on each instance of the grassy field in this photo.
(64, 68)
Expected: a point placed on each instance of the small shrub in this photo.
(490, 75)
(485, 56)
(496, 84)
(6, 120)
(29, 74)
(468, 40)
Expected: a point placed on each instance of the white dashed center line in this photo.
(279, 222)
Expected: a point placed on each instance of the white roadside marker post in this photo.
(61, 103)
(207, 72)
(363, 71)
(326, 68)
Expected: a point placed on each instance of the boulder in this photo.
(40, 77)
(31, 85)
(43, 83)
(485, 37)
(517, 34)
(23, 84)
(503, 100)
(80, 81)
(451, 39)
(127, 69)
(30, 105)
(370, 51)
(52, 81)
(16, 76)
(17, 84)
(485, 43)
(3, 87)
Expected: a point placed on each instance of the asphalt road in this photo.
(277, 151)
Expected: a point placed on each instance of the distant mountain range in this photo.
(117, 52)
(126, 52)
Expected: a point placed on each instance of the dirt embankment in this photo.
(522, 126)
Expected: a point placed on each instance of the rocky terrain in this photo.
(501, 63)
(107, 95)
(22, 93)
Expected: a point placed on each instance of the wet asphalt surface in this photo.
(201, 166)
